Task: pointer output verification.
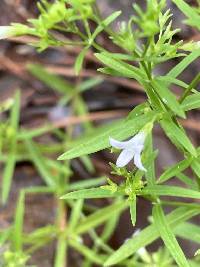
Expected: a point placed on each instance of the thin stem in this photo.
(192, 85)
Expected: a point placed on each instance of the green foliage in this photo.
(142, 43)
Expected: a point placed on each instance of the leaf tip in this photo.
(62, 157)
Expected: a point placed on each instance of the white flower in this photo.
(130, 149)
(6, 32)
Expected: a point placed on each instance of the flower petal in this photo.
(138, 162)
(138, 139)
(117, 144)
(124, 158)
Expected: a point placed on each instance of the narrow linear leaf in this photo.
(87, 183)
(86, 252)
(168, 98)
(168, 236)
(189, 231)
(191, 102)
(179, 68)
(4, 236)
(150, 234)
(75, 214)
(79, 60)
(172, 171)
(18, 223)
(132, 206)
(124, 68)
(40, 164)
(196, 167)
(10, 164)
(91, 193)
(188, 11)
(178, 136)
(100, 216)
(175, 191)
(53, 81)
(104, 24)
(188, 181)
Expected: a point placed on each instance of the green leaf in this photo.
(99, 138)
(191, 102)
(75, 215)
(177, 135)
(100, 216)
(188, 231)
(179, 68)
(196, 167)
(168, 237)
(170, 80)
(175, 191)
(86, 252)
(174, 170)
(110, 227)
(4, 236)
(132, 206)
(91, 193)
(168, 98)
(53, 81)
(188, 11)
(18, 223)
(104, 24)
(125, 69)
(40, 163)
(188, 181)
(87, 183)
(137, 111)
(89, 84)
(150, 157)
(150, 234)
(79, 60)
(10, 164)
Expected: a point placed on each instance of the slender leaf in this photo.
(150, 234)
(165, 190)
(91, 193)
(18, 224)
(86, 252)
(178, 136)
(132, 206)
(53, 81)
(11, 161)
(79, 60)
(172, 171)
(189, 231)
(125, 69)
(179, 68)
(193, 16)
(87, 183)
(40, 164)
(100, 216)
(104, 24)
(168, 98)
(191, 102)
(168, 237)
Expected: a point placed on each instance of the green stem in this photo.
(192, 85)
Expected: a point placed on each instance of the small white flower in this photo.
(6, 32)
(130, 149)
